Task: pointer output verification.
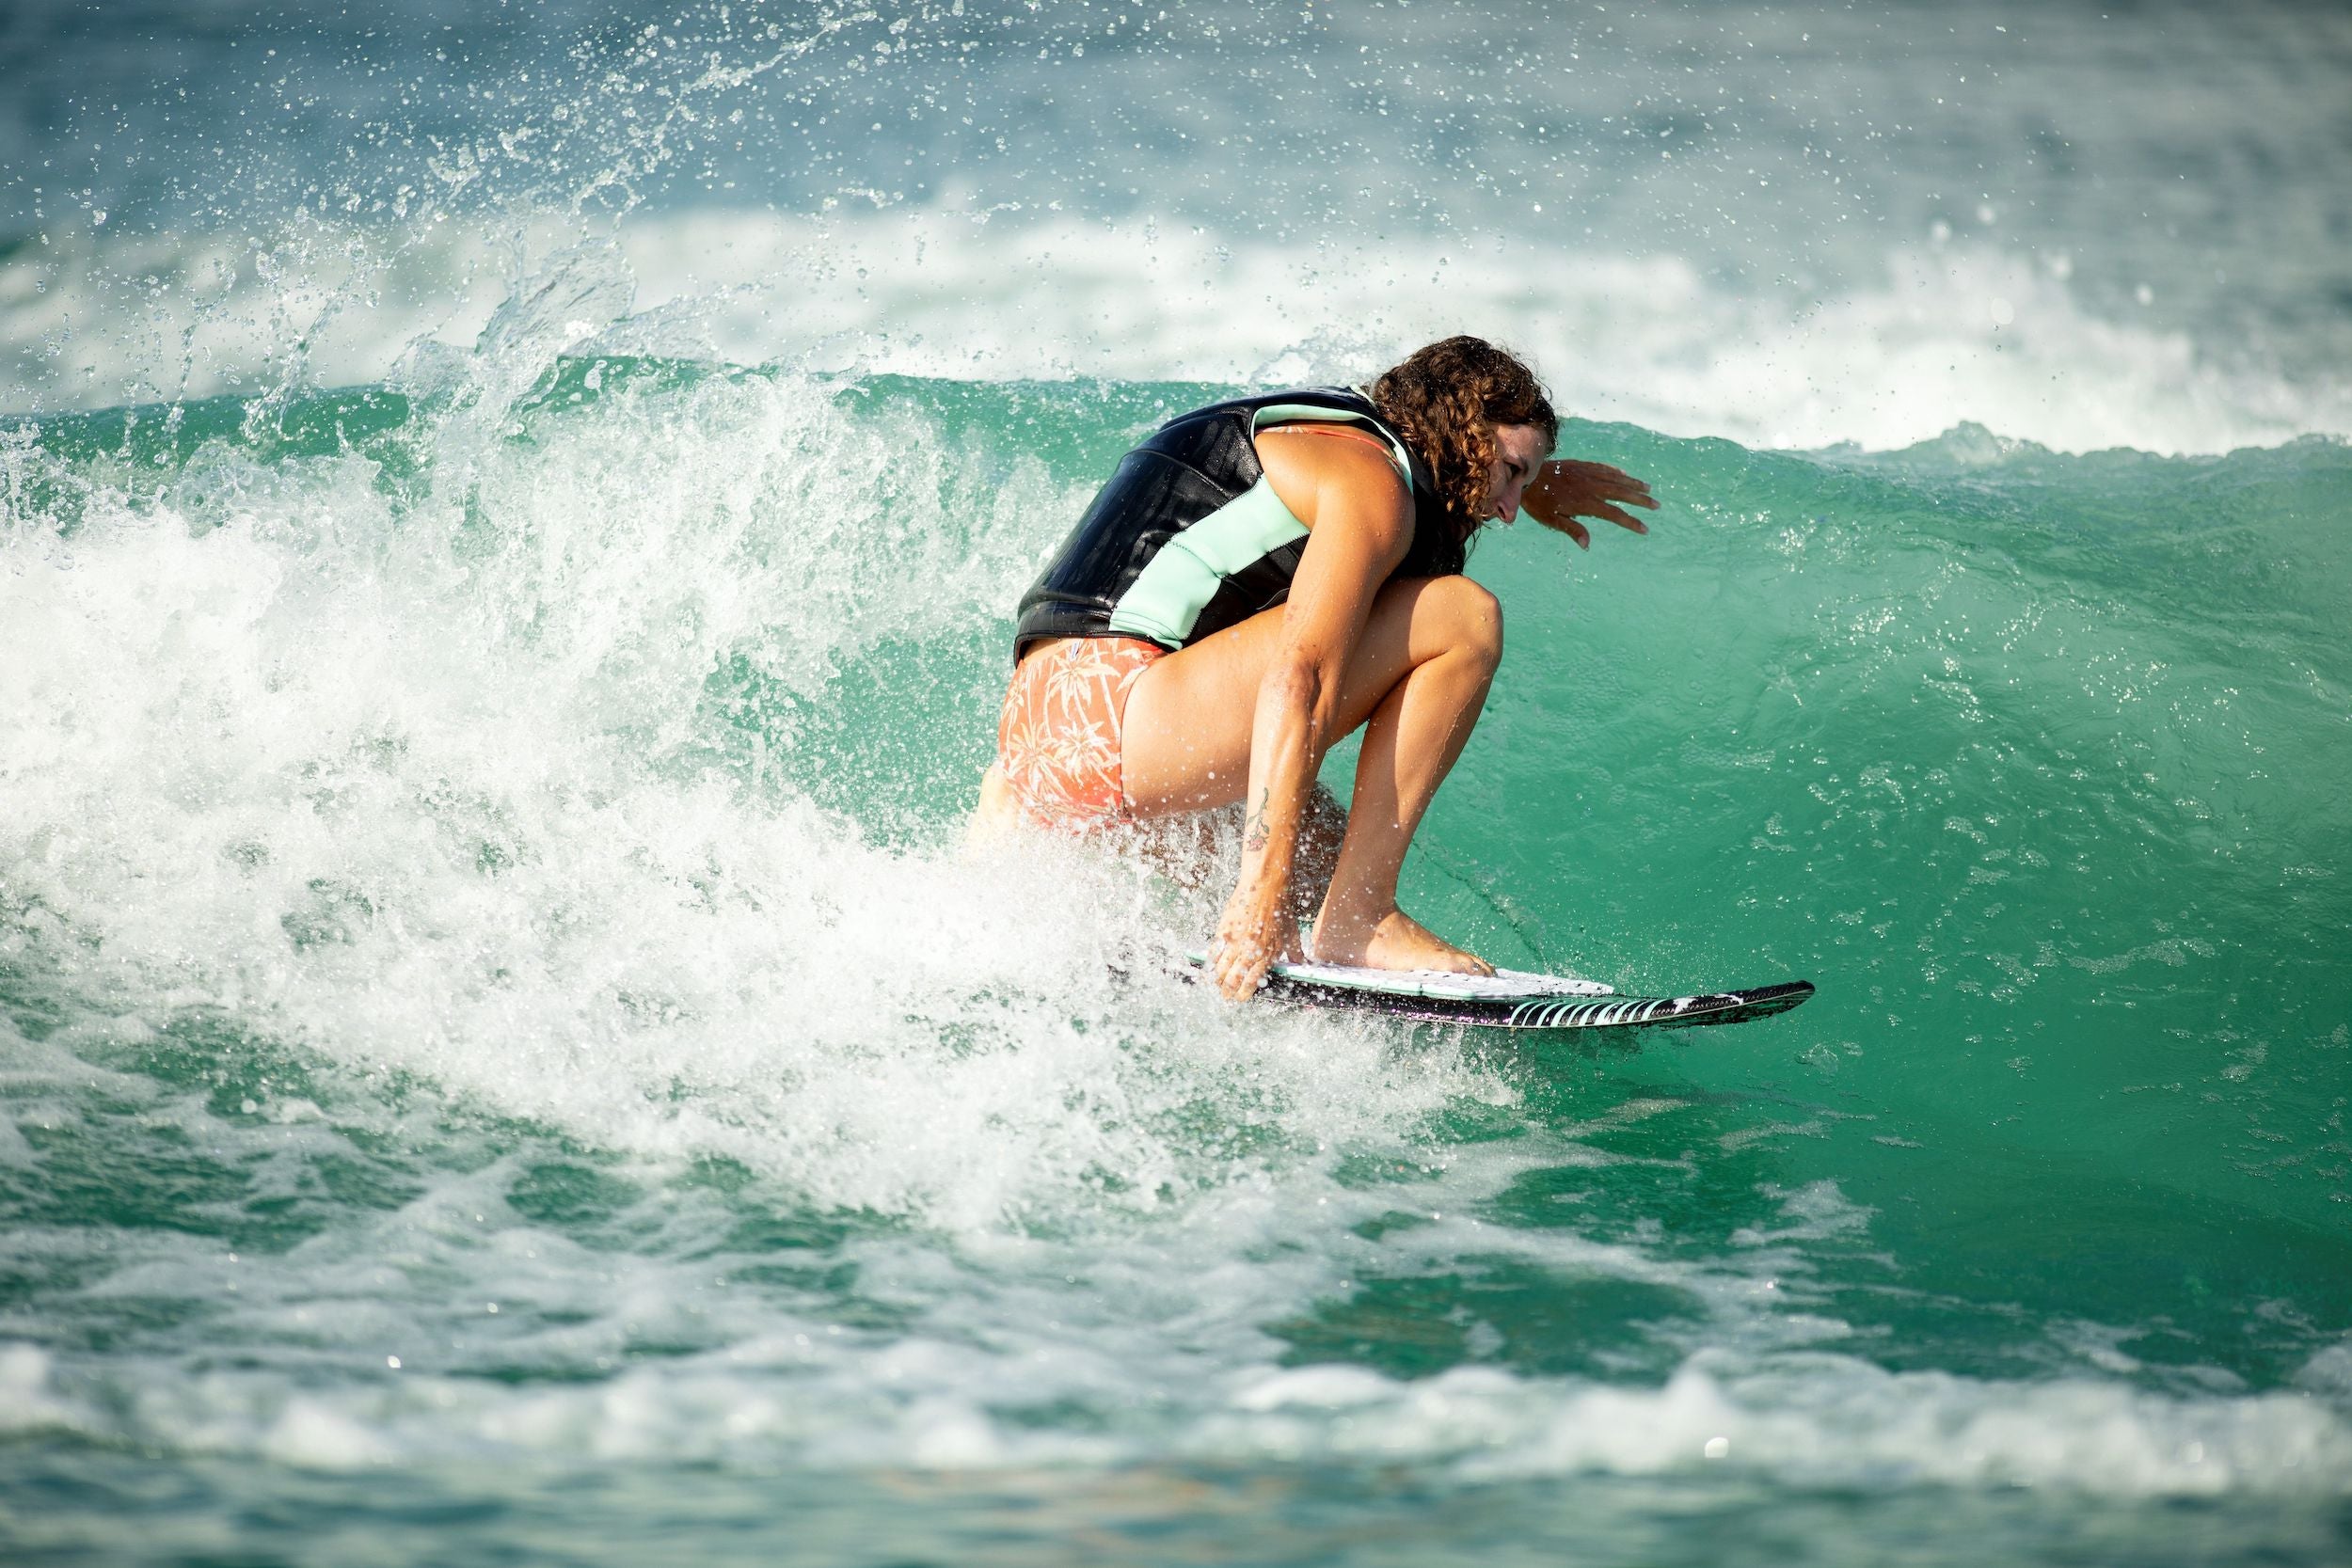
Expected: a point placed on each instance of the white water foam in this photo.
(1951, 332)
(438, 785)
(1157, 1331)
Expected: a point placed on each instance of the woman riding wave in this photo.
(1260, 577)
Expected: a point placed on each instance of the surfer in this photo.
(1259, 579)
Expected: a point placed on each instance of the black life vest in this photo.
(1191, 471)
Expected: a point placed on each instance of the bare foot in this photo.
(1397, 940)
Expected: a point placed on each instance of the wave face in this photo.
(503, 1051)
(492, 981)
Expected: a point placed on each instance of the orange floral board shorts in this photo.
(1058, 740)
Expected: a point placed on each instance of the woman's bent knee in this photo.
(1474, 618)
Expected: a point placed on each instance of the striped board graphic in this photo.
(1512, 999)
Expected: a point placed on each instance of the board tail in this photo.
(1661, 1012)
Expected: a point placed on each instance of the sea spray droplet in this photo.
(1717, 1448)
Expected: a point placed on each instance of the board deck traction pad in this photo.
(1515, 999)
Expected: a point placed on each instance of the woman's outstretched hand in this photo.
(1255, 932)
(1563, 490)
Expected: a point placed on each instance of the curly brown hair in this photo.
(1447, 400)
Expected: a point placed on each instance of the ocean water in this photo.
(509, 522)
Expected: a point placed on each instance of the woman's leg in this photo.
(1186, 849)
(1419, 675)
(998, 813)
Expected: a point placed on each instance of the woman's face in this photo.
(1520, 451)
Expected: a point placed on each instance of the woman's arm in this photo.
(1359, 523)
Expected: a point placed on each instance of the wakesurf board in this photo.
(1515, 999)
